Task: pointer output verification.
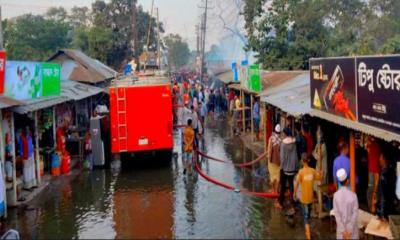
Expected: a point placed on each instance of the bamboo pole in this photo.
(243, 112)
(251, 115)
(38, 177)
(14, 183)
(3, 162)
(352, 162)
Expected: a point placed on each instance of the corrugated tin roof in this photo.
(298, 81)
(77, 91)
(83, 68)
(39, 103)
(275, 78)
(373, 131)
(294, 101)
(6, 102)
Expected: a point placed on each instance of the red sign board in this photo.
(2, 70)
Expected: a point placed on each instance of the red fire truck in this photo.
(141, 114)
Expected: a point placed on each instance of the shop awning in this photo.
(373, 131)
(292, 97)
(236, 86)
(39, 103)
(6, 102)
(78, 91)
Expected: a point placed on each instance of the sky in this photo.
(178, 16)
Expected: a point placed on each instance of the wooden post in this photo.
(251, 115)
(3, 161)
(55, 127)
(14, 183)
(352, 162)
(37, 149)
(243, 112)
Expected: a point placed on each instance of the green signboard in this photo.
(51, 79)
(254, 78)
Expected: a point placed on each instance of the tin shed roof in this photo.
(78, 91)
(373, 131)
(6, 102)
(292, 96)
(39, 103)
(77, 66)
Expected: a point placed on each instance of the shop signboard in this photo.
(30, 80)
(51, 79)
(378, 91)
(235, 72)
(254, 78)
(3, 56)
(333, 86)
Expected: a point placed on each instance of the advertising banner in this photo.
(30, 80)
(3, 57)
(378, 91)
(333, 87)
(23, 80)
(51, 74)
(254, 78)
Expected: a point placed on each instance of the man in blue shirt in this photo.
(342, 161)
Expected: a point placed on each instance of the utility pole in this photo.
(148, 35)
(197, 40)
(204, 30)
(135, 48)
(1, 32)
(158, 42)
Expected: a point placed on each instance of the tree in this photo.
(178, 51)
(56, 14)
(32, 37)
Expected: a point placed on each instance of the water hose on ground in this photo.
(242, 165)
(271, 195)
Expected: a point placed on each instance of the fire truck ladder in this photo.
(122, 122)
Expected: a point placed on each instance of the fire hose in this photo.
(242, 165)
(271, 195)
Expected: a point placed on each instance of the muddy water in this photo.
(158, 201)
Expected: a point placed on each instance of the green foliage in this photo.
(178, 51)
(31, 37)
(103, 32)
(286, 33)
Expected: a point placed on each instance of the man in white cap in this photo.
(345, 206)
(274, 146)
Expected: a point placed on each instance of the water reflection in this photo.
(158, 201)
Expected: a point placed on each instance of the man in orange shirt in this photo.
(188, 141)
(306, 178)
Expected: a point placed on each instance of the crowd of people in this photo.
(297, 161)
(290, 154)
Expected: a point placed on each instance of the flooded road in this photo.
(160, 202)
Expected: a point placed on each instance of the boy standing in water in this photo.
(306, 178)
(188, 140)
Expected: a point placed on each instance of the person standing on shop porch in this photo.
(26, 150)
(256, 119)
(345, 207)
(288, 159)
(88, 151)
(342, 161)
(273, 151)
